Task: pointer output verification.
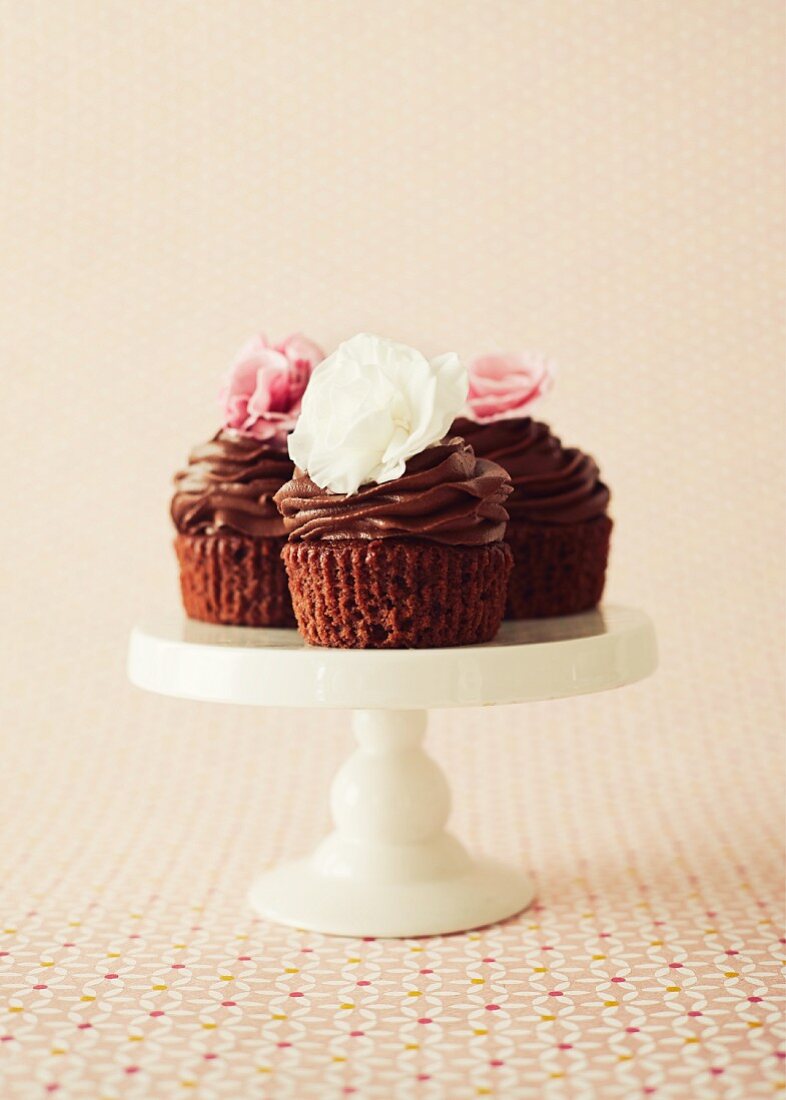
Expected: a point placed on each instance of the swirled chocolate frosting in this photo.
(228, 487)
(552, 484)
(445, 495)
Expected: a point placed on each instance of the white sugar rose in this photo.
(369, 407)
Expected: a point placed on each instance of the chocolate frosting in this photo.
(229, 486)
(552, 484)
(445, 495)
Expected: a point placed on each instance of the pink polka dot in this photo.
(282, 1045)
(109, 977)
(178, 966)
(495, 1062)
(564, 1046)
(53, 1087)
(348, 1089)
(556, 993)
(675, 966)
(356, 1034)
(731, 951)
(694, 1013)
(84, 1027)
(427, 971)
(755, 1000)
(716, 1070)
(488, 959)
(425, 1020)
(69, 944)
(40, 987)
(209, 1056)
(244, 958)
(423, 1077)
(369, 939)
(631, 1030)
(132, 1069)
(604, 935)
(780, 1053)
(619, 979)
(492, 1008)
(6, 1038)
(157, 1013)
(229, 1004)
(547, 947)
(295, 993)
(363, 982)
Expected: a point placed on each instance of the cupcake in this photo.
(559, 530)
(395, 533)
(229, 531)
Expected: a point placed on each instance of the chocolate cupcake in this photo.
(559, 529)
(395, 539)
(229, 531)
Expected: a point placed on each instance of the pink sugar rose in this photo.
(503, 385)
(265, 386)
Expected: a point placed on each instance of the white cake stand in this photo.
(390, 868)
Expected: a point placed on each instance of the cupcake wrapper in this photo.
(397, 594)
(234, 580)
(557, 570)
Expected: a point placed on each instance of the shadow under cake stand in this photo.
(390, 868)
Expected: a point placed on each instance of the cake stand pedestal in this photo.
(390, 867)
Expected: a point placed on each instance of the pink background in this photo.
(602, 180)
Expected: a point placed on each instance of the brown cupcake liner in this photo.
(234, 580)
(396, 593)
(557, 570)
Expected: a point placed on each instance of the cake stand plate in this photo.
(390, 868)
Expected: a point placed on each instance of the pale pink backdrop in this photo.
(601, 180)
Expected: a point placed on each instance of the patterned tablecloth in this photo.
(131, 965)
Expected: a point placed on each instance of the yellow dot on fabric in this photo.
(546, 1019)
(158, 987)
(625, 1057)
(588, 914)
(481, 1031)
(264, 1069)
(347, 1005)
(417, 949)
(611, 1004)
(113, 954)
(533, 927)
(187, 1084)
(692, 1039)
(656, 943)
(471, 936)
(227, 977)
(241, 936)
(754, 1023)
(710, 931)
(731, 974)
(414, 993)
(598, 958)
(15, 1008)
(86, 997)
(178, 946)
(541, 970)
(353, 960)
(58, 1050)
(136, 1038)
(339, 1058)
(135, 916)
(672, 989)
(47, 962)
(278, 1016)
(291, 970)
(556, 1074)
(10, 931)
(74, 923)
(483, 1091)
(208, 1027)
(476, 981)
(412, 1046)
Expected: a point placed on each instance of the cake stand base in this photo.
(390, 868)
(298, 894)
